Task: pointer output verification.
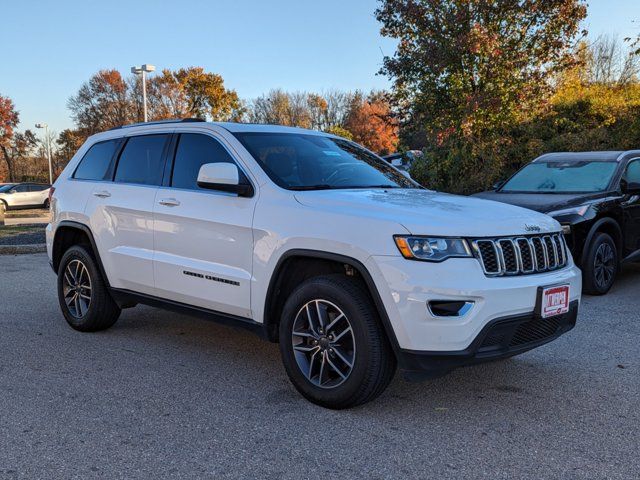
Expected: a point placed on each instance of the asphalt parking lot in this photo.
(162, 395)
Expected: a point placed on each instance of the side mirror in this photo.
(498, 185)
(630, 188)
(224, 177)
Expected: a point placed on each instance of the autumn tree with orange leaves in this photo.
(372, 123)
(9, 120)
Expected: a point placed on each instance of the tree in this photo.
(17, 151)
(608, 62)
(465, 70)
(371, 123)
(9, 119)
(206, 95)
(101, 103)
(68, 143)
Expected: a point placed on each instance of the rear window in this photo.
(141, 160)
(95, 163)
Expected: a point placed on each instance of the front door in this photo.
(19, 196)
(631, 211)
(203, 238)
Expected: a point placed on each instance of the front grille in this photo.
(521, 255)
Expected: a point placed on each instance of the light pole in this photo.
(142, 70)
(46, 137)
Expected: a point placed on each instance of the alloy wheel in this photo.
(323, 343)
(604, 265)
(76, 288)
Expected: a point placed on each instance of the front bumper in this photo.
(407, 287)
(500, 338)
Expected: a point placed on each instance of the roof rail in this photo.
(160, 122)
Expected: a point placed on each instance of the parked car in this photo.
(24, 195)
(313, 242)
(596, 198)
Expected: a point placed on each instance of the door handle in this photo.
(102, 194)
(169, 202)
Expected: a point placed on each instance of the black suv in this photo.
(596, 198)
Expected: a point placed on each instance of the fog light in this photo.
(566, 229)
(448, 308)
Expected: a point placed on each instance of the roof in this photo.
(606, 156)
(230, 126)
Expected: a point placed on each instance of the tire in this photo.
(99, 311)
(365, 346)
(45, 205)
(601, 265)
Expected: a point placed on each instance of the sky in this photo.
(51, 48)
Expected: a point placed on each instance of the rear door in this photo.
(203, 238)
(120, 212)
(37, 195)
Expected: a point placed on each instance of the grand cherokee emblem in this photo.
(532, 228)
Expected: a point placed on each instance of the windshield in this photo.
(562, 177)
(6, 188)
(298, 161)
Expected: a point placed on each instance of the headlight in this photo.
(432, 249)
(581, 210)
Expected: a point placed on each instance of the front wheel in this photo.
(83, 296)
(601, 265)
(333, 347)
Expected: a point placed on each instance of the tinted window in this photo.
(633, 172)
(5, 188)
(562, 177)
(141, 160)
(37, 188)
(194, 151)
(95, 163)
(21, 188)
(299, 161)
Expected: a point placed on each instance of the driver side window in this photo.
(632, 175)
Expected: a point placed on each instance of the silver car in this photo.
(24, 195)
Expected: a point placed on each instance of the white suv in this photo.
(311, 241)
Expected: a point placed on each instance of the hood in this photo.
(542, 202)
(424, 212)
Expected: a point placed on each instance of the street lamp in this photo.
(146, 68)
(48, 145)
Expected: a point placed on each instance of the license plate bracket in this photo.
(553, 300)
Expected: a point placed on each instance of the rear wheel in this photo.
(333, 347)
(83, 296)
(46, 204)
(601, 265)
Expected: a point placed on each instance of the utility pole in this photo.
(48, 148)
(143, 70)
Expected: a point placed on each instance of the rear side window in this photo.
(95, 163)
(141, 160)
(193, 151)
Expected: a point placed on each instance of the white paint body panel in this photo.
(147, 247)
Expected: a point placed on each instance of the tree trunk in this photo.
(9, 162)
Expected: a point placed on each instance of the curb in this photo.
(22, 249)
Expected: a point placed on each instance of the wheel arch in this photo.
(69, 233)
(287, 263)
(606, 225)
